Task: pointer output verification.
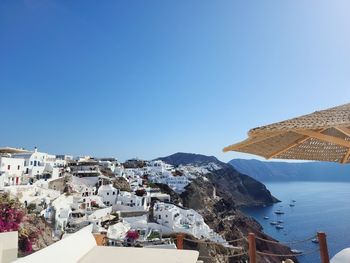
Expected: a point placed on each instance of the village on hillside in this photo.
(121, 202)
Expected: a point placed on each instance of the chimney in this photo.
(35, 149)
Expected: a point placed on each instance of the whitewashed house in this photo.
(85, 168)
(109, 163)
(108, 194)
(38, 164)
(184, 220)
(177, 183)
(11, 171)
(127, 201)
(159, 166)
(62, 160)
(119, 171)
(63, 206)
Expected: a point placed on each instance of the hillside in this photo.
(244, 190)
(217, 195)
(284, 171)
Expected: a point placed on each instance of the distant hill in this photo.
(180, 158)
(240, 189)
(285, 171)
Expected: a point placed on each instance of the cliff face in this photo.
(223, 216)
(242, 189)
(217, 196)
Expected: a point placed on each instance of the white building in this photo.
(36, 164)
(11, 171)
(109, 163)
(108, 194)
(127, 201)
(185, 221)
(85, 168)
(177, 183)
(159, 166)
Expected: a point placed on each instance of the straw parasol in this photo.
(322, 135)
(9, 150)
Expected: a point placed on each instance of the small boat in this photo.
(280, 221)
(273, 223)
(279, 227)
(293, 201)
(315, 240)
(296, 251)
(291, 205)
(266, 217)
(279, 212)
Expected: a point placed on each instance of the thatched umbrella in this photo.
(322, 135)
(9, 150)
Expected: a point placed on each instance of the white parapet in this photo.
(68, 250)
(342, 257)
(8, 246)
(81, 247)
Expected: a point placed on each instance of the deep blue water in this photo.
(320, 206)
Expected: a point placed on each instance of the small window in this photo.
(8, 167)
(113, 193)
(18, 167)
(107, 193)
(160, 217)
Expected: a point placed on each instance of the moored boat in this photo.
(296, 251)
(279, 212)
(315, 240)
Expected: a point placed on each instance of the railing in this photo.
(252, 252)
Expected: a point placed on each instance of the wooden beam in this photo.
(249, 141)
(346, 157)
(344, 130)
(295, 143)
(326, 138)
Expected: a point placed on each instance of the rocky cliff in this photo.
(217, 196)
(241, 189)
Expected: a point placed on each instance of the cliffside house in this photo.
(38, 165)
(85, 168)
(108, 194)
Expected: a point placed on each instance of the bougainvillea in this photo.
(132, 235)
(12, 217)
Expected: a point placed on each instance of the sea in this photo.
(319, 206)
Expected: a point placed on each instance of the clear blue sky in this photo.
(150, 78)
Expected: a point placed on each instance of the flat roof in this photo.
(139, 255)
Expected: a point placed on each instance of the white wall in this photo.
(11, 170)
(68, 250)
(108, 194)
(8, 246)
